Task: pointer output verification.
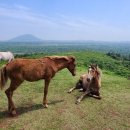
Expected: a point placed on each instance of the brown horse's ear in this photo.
(72, 58)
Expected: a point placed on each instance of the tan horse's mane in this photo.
(99, 71)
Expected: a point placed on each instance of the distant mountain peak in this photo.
(25, 38)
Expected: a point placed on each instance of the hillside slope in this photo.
(85, 58)
(109, 113)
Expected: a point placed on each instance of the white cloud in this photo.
(21, 7)
(24, 13)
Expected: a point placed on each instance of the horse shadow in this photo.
(28, 108)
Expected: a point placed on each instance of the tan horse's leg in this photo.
(47, 81)
(72, 89)
(96, 95)
(82, 96)
(9, 93)
(77, 86)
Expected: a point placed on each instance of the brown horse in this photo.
(90, 83)
(32, 70)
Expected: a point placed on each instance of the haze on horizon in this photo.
(66, 19)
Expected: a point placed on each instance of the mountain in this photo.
(25, 38)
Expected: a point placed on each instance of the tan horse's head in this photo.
(72, 65)
(93, 72)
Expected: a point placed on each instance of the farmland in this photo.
(65, 46)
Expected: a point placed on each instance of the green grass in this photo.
(112, 112)
(85, 58)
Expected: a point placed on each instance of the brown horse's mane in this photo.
(60, 57)
(56, 57)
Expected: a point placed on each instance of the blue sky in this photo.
(107, 20)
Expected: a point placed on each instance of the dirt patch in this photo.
(114, 113)
(80, 113)
(67, 127)
(107, 129)
(4, 124)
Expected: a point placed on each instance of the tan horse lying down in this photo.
(32, 70)
(90, 83)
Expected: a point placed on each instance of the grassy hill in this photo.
(112, 112)
(84, 58)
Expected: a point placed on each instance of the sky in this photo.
(105, 20)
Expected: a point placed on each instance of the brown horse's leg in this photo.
(9, 93)
(82, 96)
(47, 81)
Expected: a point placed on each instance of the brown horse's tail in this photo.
(3, 77)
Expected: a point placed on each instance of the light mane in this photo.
(99, 71)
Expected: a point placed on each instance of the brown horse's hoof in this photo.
(45, 105)
(13, 113)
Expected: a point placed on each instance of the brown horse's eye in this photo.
(74, 64)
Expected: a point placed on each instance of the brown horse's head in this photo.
(93, 72)
(72, 65)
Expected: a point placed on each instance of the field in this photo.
(112, 112)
